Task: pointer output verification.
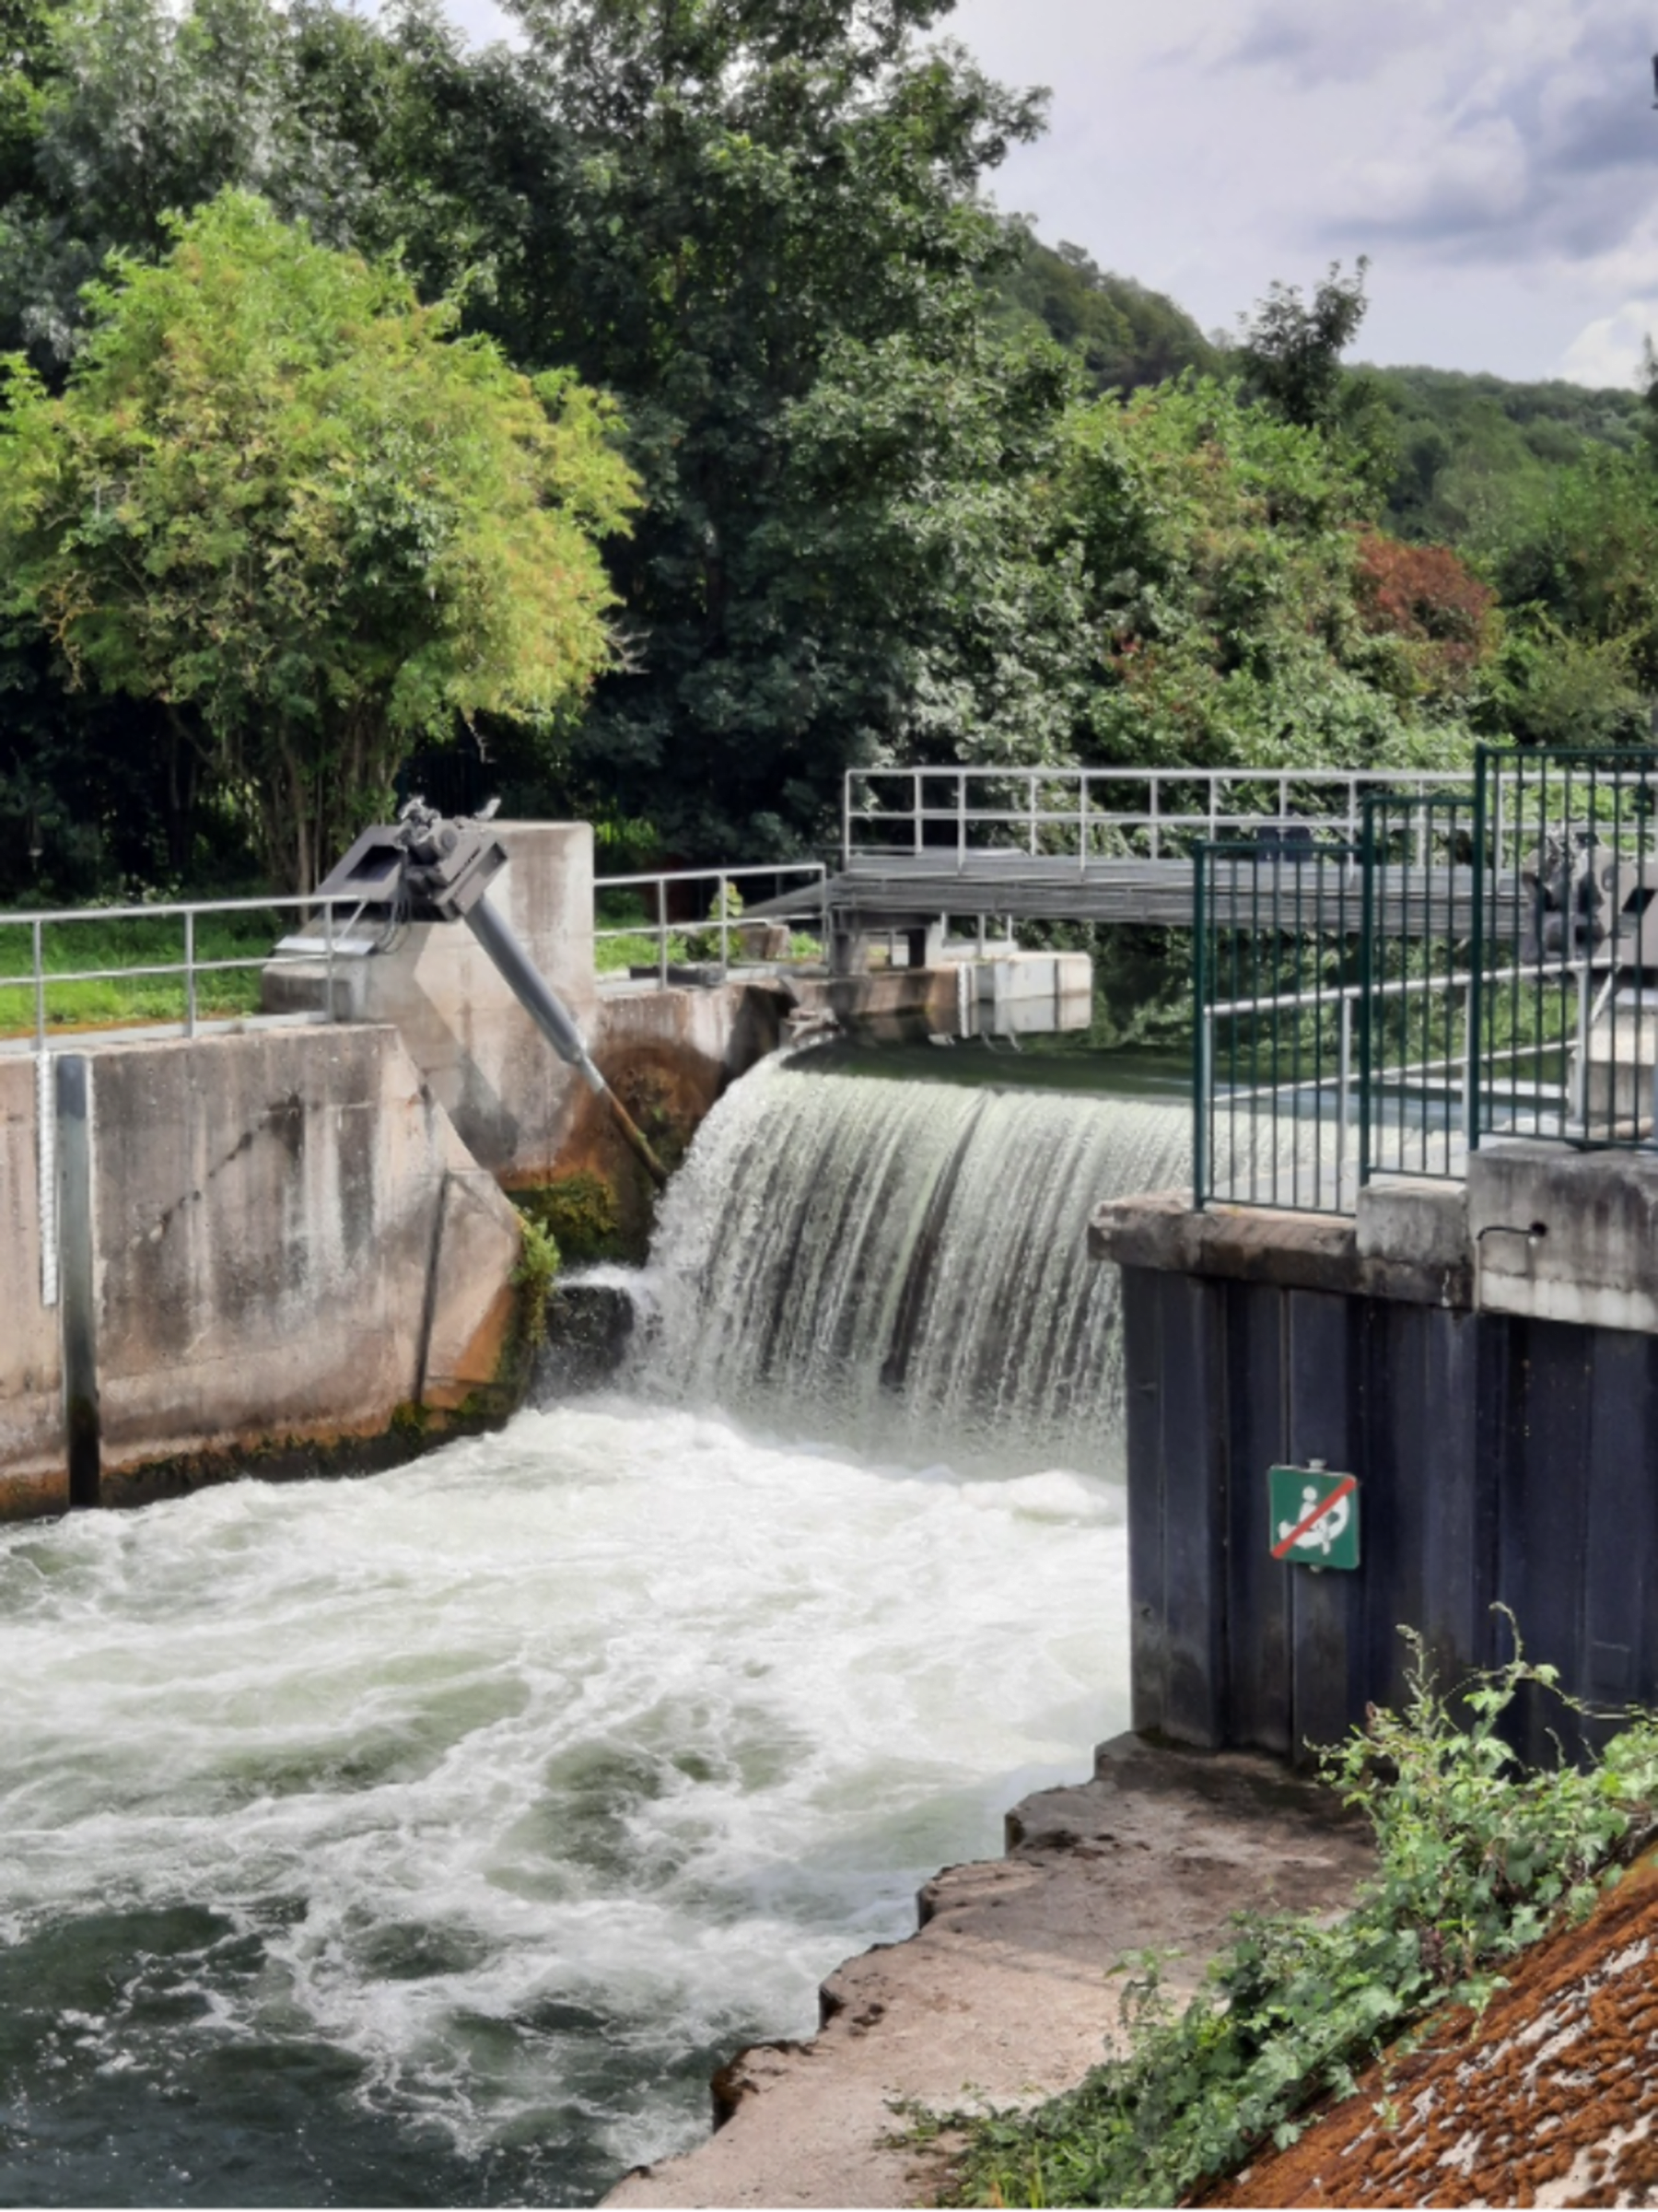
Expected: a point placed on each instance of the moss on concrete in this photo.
(583, 1215)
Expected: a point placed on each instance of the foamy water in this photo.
(429, 1837)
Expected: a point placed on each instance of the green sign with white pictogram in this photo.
(1314, 1517)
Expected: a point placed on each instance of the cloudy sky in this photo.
(1496, 159)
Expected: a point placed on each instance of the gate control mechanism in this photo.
(426, 869)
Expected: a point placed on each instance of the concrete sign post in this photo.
(1314, 1519)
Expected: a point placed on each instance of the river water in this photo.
(429, 1839)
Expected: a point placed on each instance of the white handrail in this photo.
(1067, 796)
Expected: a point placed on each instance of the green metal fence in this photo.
(1479, 963)
(1567, 1019)
(1277, 924)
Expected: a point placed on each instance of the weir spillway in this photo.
(430, 1837)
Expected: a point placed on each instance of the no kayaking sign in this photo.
(1314, 1516)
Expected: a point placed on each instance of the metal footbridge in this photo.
(1119, 847)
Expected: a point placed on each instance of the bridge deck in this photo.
(898, 890)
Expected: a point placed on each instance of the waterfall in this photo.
(905, 1265)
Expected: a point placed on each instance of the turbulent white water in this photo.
(429, 1837)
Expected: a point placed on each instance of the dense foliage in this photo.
(1476, 1857)
(1123, 333)
(276, 498)
(912, 484)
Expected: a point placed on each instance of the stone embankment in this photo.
(1007, 1992)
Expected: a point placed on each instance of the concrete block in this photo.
(1419, 1221)
(1560, 1236)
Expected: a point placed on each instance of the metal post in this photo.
(661, 892)
(960, 819)
(1151, 808)
(1469, 1068)
(725, 928)
(1344, 1086)
(846, 817)
(83, 1435)
(1367, 933)
(1202, 1043)
(1580, 1074)
(328, 956)
(40, 986)
(189, 981)
(916, 801)
(1476, 951)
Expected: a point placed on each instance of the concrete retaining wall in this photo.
(289, 1240)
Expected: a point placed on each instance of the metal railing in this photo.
(1572, 958)
(1275, 978)
(1476, 964)
(1090, 814)
(718, 925)
(39, 979)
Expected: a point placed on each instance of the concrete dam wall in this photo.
(295, 1230)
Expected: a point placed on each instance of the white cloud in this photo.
(1498, 160)
(1608, 350)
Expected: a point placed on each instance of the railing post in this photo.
(1344, 1096)
(189, 981)
(1202, 1042)
(961, 821)
(916, 801)
(1367, 930)
(1580, 1074)
(1154, 810)
(328, 956)
(38, 938)
(661, 892)
(1471, 1114)
(846, 817)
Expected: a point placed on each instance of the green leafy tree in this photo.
(738, 215)
(1123, 334)
(1224, 570)
(281, 499)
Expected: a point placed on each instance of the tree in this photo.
(280, 497)
(733, 213)
(1124, 335)
(1290, 350)
(1229, 600)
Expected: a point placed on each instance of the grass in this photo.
(97, 942)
